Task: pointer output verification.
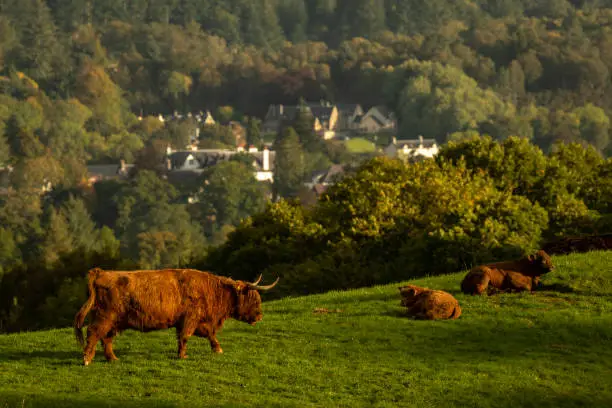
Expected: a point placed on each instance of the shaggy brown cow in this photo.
(509, 276)
(428, 304)
(191, 301)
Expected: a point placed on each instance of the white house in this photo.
(410, 148)
(196, 161)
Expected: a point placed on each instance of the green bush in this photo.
(388, 222)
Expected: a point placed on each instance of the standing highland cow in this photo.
(427, 304)
(191, 301)
(509, 276)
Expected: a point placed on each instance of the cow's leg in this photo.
(483, 284)
(96, 331)
(516, 282)
(476, 282)
(183, 332)
(204, 330)
(214, 343)
(107, 343)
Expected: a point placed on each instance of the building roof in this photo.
(386, 112)
(347, 107)
(208, 158)
(109, 170)
(414, 143)
(329, 176)
(289, 112)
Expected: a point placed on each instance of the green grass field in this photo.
(548, 349)
(360, 145)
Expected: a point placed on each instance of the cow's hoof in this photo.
(86, 363)
(218, 350)
(110, 360)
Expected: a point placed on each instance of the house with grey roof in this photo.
(99, 172)
(325, 115)
(321, 180)
(376, 119)
(197, 161)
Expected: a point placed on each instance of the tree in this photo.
(439, 100)
(39, 52)
(58, 240)
(294, 20)
(100, 94)
(9, 252)
(362, 18)
(124, 145)
(224, 114)
(146, 206)
(5, 150)
(254, 136)
(230, 193)
(80, 225)
(594, 126)
(289, 166)
(303, 124)
(8, 38)
(22, 129)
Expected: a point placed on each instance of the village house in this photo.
(100, 172)
(334, 120)
(197, 161)
(348, 115)
(325, 115)
(412, 148)
(376, 119)
(321, 180)
(200, 117)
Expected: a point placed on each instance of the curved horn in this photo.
(257, 280)
(264, 288)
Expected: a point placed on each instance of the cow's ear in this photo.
(531, 257)
(408, 292)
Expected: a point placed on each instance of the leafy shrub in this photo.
(390, 221)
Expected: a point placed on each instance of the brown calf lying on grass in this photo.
(427, 304)
(509, 276)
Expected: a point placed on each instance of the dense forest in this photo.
(83, 82)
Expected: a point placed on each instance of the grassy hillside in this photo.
(550, 349)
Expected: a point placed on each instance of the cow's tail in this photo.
(79, 319)
(456, 312)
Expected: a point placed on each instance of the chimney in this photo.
(266, 159)
(420, 141)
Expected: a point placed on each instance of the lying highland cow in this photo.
(427, 304)
(191, 301)
(509, 276)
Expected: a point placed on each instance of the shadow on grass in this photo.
(13, 400)
(531, 397)
(68, 357)
(556, 287)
